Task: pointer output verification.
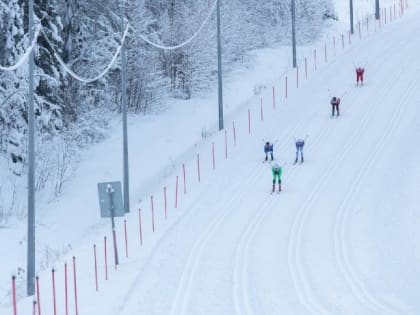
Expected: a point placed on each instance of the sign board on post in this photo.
(106, 203)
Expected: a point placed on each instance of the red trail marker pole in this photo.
(54, 292)
(165, 200)
(285, 86)
(185, 179)
(38, 298)
(126, 238)
(274, 98)
(176, 192)
(75, 286)
(106, 259)
(66, 290)
(14, 295)
(140, 232)
(153, 213)
(325, 52)
(198, 167)
(96, 267)
(234, 133)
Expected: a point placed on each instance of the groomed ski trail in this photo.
(353, 278)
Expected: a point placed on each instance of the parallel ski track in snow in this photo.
(183, 292)
(137, 280)
(241, 291)
(302, 286)
(241, 296)
(358, 287)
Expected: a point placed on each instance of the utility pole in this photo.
(124, 115)
(377, 14)
(30, 276)
(219, 67)
(293, 11)
(351, 17)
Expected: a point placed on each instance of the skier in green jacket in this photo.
(276, 169)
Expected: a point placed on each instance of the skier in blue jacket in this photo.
(268, 149)
(299, 148)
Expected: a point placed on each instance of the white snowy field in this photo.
(341, 238)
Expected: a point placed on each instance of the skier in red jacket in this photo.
(359, 75)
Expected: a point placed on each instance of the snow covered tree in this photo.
(146, 83)
(13, 86)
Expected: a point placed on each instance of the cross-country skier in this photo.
(359, 75)
(276, 169)
(268, 149)
(335, 102)
(299, 142)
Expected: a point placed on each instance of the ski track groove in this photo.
(126, 298)
(302, 290)
(188, 277)
(241, 260)
(252, 227)
(134, 284)
(340, 244)
(183, 292)
(295, 266)
(240, 288)
(301, 284)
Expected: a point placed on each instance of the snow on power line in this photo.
(143, 37)
(99, 76)
(25, 56)
(103, 73)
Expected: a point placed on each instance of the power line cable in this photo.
(164, 47)
(78, 77)
(25, 55)
(103, 73)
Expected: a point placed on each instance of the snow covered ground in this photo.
(341, 238)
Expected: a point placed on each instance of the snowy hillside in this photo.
(341, 238)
